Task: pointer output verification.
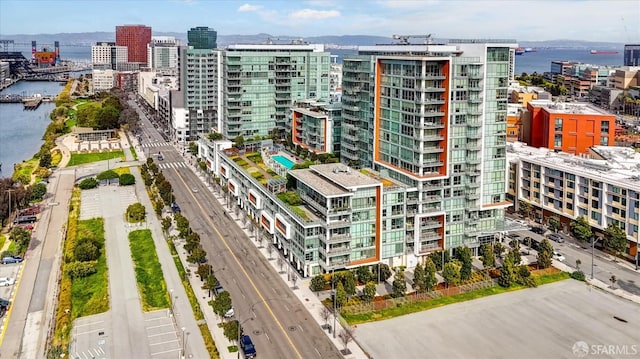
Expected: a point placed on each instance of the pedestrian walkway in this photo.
(170, 165)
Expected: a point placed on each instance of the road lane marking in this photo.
(244, 271)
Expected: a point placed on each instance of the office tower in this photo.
(632, 55)
(202, 37)
(261, 82)
(135, 38)
(433, 116)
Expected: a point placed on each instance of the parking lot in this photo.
(163, 338)
(543, 322)
(7, 292)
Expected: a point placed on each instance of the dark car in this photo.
(538, 230)
(25, 219)
(4, 306)
(175, 208)
(11, 259)
(248, 349)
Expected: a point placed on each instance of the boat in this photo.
(598, 52)
(529, 49)
(520, 51)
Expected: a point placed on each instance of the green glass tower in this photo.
(202, 37)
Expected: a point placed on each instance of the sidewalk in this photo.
(308, 299)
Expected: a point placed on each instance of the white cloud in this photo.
(309, 14)
(323, 3)
(248, 7)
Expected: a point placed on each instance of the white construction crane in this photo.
(404, 39)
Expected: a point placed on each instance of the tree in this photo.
(221, 304)
(203, 271)
(45, 160)
(340, 296)
(231, 330)
(364, 274)
(615, 239)
(419, 278)
(280, 264)
(464, 255)
(384, 271)
(451, 273)
(439, 258)
(211, 283)
(349, 281)
(430, 279)
(545, 253)
(86, 251)
(506, 271)
(270, 251)
(325, 314)
(488, 256)
(88, 183)
(581, 229)
(21, 236)
(136, 212)
(166, 223)
(346, 336)
(198, 255)
(38, 191)
(294, 279)
(578, 263)
(317, 283)
(107, 175)
(554, 223)
(369, 292)
(127, 179)
(525, 208)
(523, 277)
(239, 141)
(515, 252)
(498, 249)
(399, 286)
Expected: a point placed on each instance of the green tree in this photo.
(507, 271)
(211, 283)
(464, 255)
(45, 160)
(166, 223)
(38, 191)
(498, 249)
(488, 256)
(20, 236)
(430, 279)
(399, 286)
(615, 239)
(419, 278)
(239, 141)
(554, 223)
(349, 281)
(107, 175)
(340, 295)
(364, 274)
(221, 304)
(318, 283)
(545, 253)
(231, 330)
(384, 271)
(525, 208)
(86, 251)
(88, 183)
(515, 252)
(127, 179)
(581, 228)
(136, 212)
(215, 136)
(369, 292)
(203, 271)
(451, 273)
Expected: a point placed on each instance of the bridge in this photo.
(15, 98)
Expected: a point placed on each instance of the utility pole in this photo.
(333, 290)
(9, 191)
(594, 239)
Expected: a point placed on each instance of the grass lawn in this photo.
(25, 169)
(121, 170)
(90, 295)
(56, 157)
(151, 284)
(82, 158)
(133, 153)
(2, 240)
(208, 341)
(68, 124)
(409, 308)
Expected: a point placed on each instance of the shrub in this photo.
(127, 179)
(318, 283)
(86, 251)
(578, 275)
(107, 175)
(88, 183)
(79, 269)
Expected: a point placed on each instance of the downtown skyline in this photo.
(523, 20)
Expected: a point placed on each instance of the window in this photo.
(558, 125)
(557, 141)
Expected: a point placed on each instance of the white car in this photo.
(558, 256)
(230, 313)
(6, 281)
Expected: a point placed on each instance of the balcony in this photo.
(430, 101)
(430, 125)
(431, 225)
(432, 76)
(472, 195)
(427, 248)
(432, 114)
(338, 224)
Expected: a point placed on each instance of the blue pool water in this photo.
(284, 161)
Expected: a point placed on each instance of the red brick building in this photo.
(135, 38)
(569, 127)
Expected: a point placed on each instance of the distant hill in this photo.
(90, 38)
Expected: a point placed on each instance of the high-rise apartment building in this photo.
(261, 82)
(632, 55)
(135, 38)
(202, 37)
(433, 117)
(163, 55)
(106, 55)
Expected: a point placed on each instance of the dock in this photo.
(32, 103)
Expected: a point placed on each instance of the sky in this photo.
(590, 20)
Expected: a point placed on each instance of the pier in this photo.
(32, 103)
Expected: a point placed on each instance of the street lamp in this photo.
(333, 282)
(183, 341)
(173, 301)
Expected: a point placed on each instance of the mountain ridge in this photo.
(90, 38)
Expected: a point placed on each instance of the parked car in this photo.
(4, 306)
(538, 230)
(555, 237)
(230, 313)
(218, 289)
(513, 235)
(25, 219)
(6, 281)
(11, 259)
(175, 208)
(248, 349)
(558, 256)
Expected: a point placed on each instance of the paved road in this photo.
(543, 322)
(276, 320)
(31, 313)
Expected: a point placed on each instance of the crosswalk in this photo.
(174, 165)
(155, 144)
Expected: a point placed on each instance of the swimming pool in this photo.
(284, 161)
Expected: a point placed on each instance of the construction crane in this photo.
(404, 39)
